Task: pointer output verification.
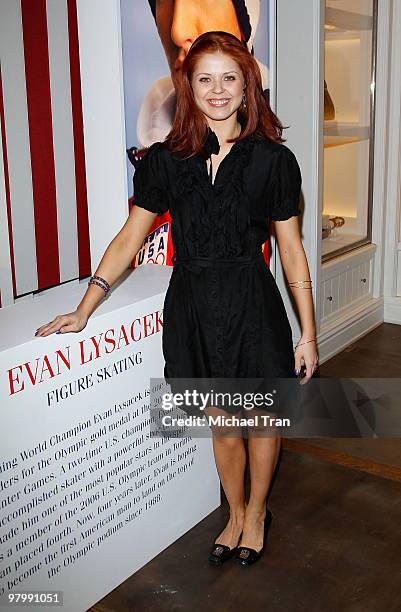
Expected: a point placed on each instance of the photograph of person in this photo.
(163, 31)
(179, 23)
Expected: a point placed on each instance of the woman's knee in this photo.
(222, 425)
(262, 425)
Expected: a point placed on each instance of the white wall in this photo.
(299, 104)
(392, 261)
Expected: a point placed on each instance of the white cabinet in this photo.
(346, 282)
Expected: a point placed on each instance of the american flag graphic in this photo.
(44, 240)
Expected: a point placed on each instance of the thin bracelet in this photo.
(300, 285)
(307, 342)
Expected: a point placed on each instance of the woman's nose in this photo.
(186, 24)
(217, 86)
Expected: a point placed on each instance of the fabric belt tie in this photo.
(195, 264)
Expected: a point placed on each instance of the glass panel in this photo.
(349, 86)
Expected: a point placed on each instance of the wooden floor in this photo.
(335, 539)
(376, 355)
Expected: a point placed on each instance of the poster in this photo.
(156, 36)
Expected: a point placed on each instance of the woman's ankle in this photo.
(237, 515)
(257, 512)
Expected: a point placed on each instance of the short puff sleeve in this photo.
(150, 181)
(285, 186)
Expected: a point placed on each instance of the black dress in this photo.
(223, 315)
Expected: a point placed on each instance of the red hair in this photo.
(189, 127)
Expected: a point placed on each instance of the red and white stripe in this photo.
(43, 195)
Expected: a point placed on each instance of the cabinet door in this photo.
(346, 282)
(349, 94)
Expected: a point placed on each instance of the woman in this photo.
(222, 172)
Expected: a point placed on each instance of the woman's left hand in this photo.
(306, 354)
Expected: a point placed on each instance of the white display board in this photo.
(87, 497)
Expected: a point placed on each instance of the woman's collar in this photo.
(211, 144)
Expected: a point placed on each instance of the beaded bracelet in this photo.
(100, 282)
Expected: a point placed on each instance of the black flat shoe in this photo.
(221, 553)
(247, 556)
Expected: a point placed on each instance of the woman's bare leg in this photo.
(230, 456)
(264, 448)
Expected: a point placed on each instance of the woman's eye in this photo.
(230, 77)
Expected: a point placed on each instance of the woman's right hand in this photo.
(70, 322)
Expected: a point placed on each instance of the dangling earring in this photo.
(244, 99)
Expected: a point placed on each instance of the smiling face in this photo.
(217, 83)
(180, 22)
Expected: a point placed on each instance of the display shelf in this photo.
(342, 241)
(349, 77)
(342, 21)
(338, 133)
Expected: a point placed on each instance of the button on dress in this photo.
(223, 314)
